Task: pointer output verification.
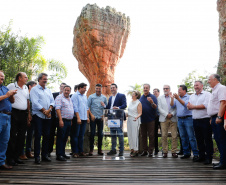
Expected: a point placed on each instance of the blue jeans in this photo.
(187, 135)
(4, 136)
(62, 136)
(114, 133)
(203, 133)
(42, 128)
(220, 138)
(77, 135)
(99, 124)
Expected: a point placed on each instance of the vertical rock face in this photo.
(100, 37)
(221, 7)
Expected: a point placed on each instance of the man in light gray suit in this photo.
(168, 120)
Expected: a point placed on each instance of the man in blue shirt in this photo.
(42, 104)
(149, 107)
(185, 122)
(96, 102)
(6, 98)
(81, 109)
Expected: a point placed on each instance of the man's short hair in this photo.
(166, 85)
(199, 81)
(81, 85)
(75, 87)
(41, 75)
(217, 76)
(156, 89)
(98, 85)
(184, 88)
(147, 85)
(31, 83)
(67, 86)
(18, 75)
(63, 83)
(114, 85)
(138, 94)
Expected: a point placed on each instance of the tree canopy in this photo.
(23, 54)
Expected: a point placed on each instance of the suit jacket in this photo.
(120, 101)
(163, 110)
(53, 113)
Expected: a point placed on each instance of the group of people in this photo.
(29, 106)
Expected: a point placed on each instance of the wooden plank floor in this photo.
(93, 170)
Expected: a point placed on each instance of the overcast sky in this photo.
(168, 40)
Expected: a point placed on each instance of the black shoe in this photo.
(11, 162)
(120, 154)
(144, 153)
(49, 154)
(207, 161)
(185, 156)
(112, 152)
(100, 152)
(37, 160)
(150, 155)
(219, 167)
(156, 152)
(71, 153)
(196, 158)
(180, 153)
(60, 158)
(215, 164)
(46, 159)
(18, 161)
(66, 156)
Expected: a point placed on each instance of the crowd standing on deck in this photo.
(30, 107)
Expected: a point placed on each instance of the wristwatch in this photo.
(219, 117)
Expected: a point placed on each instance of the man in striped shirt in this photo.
(65, 113)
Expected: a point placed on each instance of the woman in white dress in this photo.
(133, 123)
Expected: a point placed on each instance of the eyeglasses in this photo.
(165, 88)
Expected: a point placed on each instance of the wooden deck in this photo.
(93, 170)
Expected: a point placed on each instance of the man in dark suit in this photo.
(54, 120)
(117, 101)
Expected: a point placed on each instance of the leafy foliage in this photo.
(192, 77)
(136, 87)
(23, 54)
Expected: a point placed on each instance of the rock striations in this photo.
(100, 37)
(221, 7)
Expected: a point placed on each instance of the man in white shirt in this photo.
(198, 103)
(20, 109)
(215, 109)
(168, 120)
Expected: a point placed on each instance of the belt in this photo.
(214, 116)
(66, 119)
(4, 112)
(18, 110)
(184, 117)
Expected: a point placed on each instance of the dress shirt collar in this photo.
(200, 93)
(184, 95)
(216, 86)
(17, 86)
(40, 87)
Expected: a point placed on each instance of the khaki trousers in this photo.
(165, 127)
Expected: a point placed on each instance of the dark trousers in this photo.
(157, 126)
(54, 123)
(30, 133)
(62, 136)
(17, 134)
(148, 129)
(42, 128)
(77, 135)
(220, 138)
(203, 133)
(117, 132)
(99, 124)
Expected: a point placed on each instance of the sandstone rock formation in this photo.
(221, 7)
(100, 37)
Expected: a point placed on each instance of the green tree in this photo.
(20, 53)
(136, 87)
(192, 77)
